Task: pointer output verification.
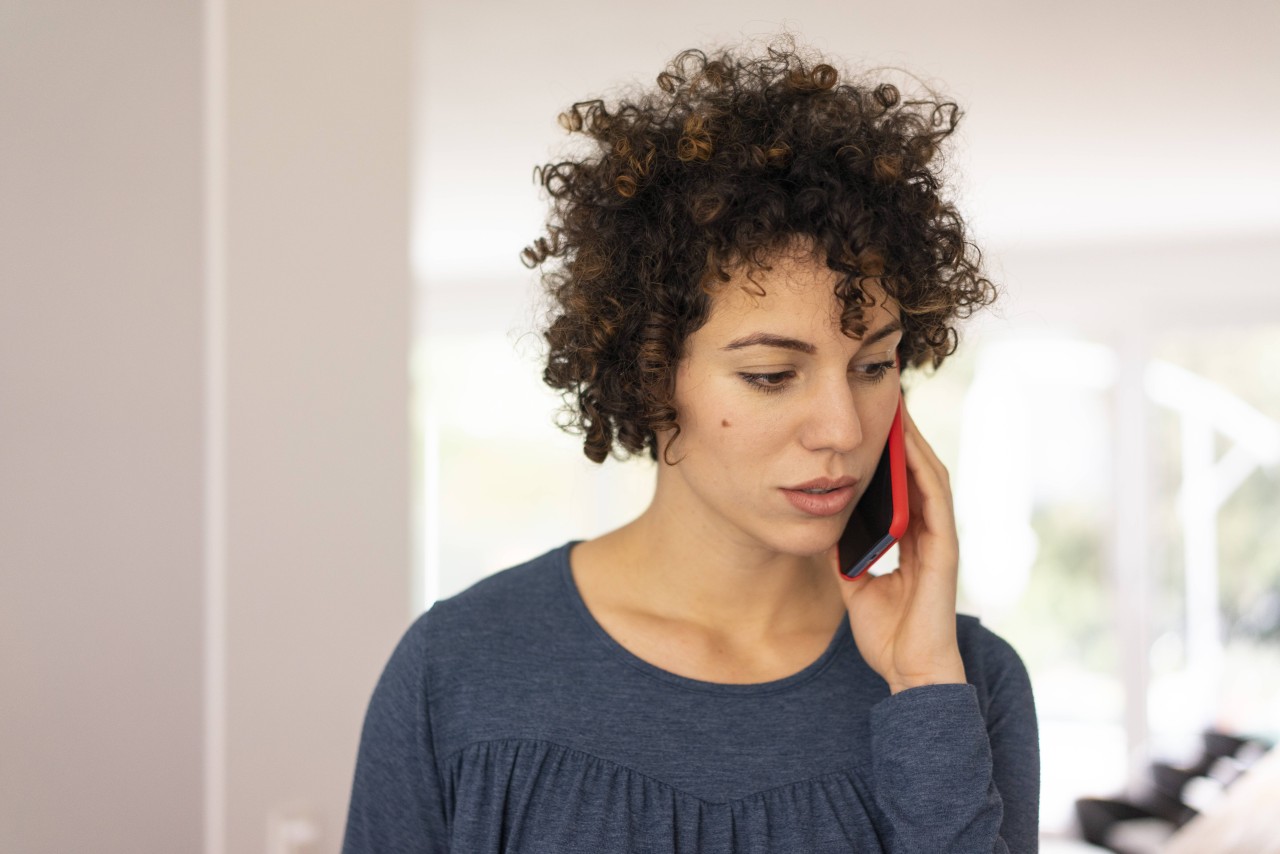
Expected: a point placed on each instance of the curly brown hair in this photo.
(730, 159)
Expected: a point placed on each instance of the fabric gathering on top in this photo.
(508, 720)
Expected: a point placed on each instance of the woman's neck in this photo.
(675, 564)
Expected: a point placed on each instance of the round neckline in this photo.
(842, 635)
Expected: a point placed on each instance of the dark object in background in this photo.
(1166, 807)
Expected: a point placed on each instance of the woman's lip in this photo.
(825, 483)
(825, 504)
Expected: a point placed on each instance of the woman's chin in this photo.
(811, 542)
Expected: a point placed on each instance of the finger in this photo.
(929, 478)
(909, 423)
(931, 504)
(921, 456)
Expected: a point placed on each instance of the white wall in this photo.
(100, 427)
(317, 397)
(204, 315)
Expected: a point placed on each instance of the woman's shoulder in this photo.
(973, 633)
(991, 663)
(530, 584)
(510, 608)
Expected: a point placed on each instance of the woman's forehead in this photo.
(798, 291)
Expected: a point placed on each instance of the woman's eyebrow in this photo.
(766, 339)
(782, 342)
(883, 332)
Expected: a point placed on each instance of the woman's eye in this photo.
(876, 371)
(768, 382)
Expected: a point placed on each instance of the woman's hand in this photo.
(904, 622)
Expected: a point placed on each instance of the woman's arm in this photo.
(1015, 745)
(397, 801)
(947, 779)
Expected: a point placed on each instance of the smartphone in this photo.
(880, 518)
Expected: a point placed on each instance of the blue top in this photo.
(507, 720)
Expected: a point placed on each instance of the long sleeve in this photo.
(1015, 751)
(949, 781)
(396, 798)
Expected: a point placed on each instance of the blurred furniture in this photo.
(1246, 820)
(1203, 808)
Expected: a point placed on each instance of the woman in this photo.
(739, 269)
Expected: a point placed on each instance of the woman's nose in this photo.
(832, 419)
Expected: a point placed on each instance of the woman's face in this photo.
(772, 398)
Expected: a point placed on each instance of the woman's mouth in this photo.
(820, 501)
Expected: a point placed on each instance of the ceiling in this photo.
(1085, 123)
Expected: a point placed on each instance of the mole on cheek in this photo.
(724, 423)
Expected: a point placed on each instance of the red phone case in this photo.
(898, 489)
